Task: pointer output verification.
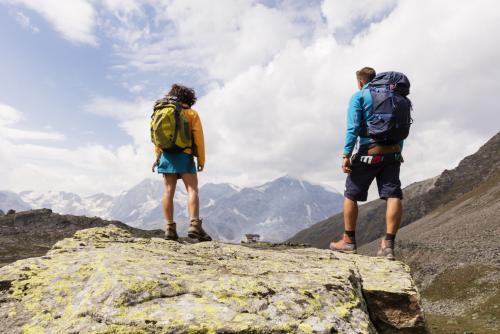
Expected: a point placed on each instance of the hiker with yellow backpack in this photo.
(177, 134)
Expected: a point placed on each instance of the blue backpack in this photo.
(390, 119)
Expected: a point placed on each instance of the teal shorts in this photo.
(176, 163)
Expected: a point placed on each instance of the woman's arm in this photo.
(198, 138)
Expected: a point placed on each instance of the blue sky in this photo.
(79, 78)
(50, 79)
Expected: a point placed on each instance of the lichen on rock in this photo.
(102, 280)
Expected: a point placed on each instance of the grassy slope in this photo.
(454, 254)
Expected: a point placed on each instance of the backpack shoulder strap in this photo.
(363, 122)
(362, 97)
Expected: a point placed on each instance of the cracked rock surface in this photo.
(103, 280)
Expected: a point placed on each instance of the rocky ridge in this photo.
(104, 280)
(32, 233)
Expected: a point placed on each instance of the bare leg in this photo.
(393, 214)
(195, 230)
(350, 214)
(168, 197)
(347, 243)
(191, 183)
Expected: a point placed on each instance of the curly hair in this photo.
(184, 94)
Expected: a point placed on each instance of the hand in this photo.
(200, 168)
(346, 165)
(156, 164)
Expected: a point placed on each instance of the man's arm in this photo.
(352, 131)
(353, 120)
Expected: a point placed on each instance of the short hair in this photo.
(184, 94)
(366, 74)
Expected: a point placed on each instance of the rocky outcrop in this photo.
(32, 233)
(104, 280)
(1, 213)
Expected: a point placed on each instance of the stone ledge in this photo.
(104, 281)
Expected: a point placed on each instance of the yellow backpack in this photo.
(170, 127)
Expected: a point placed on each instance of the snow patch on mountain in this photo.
(240, 214)
(210, 203)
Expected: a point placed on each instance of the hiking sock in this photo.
(170, 222)
(351, 235)
(389, 236)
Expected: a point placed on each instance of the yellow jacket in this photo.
(198, 139)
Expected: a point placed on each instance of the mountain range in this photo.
(275, 210)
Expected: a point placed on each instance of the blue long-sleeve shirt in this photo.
(360, 108)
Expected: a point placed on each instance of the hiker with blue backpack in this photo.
(379, 117)
(177, 134)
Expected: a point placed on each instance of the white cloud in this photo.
(9, 116)
(218, 38)
(117, 108)
(27, 164)
(75, 19)
(84, 169)
(274, 102)
(136, 88)
(289, 115)
(349, 16)
(17, 134)
(25, 22)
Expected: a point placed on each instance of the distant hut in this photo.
(251, 238)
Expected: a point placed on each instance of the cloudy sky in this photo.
(78, 79)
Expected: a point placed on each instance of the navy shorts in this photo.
(365, 168)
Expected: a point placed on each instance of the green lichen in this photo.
(306, 328)
(12, 312)
(344, 308)
(121, 329)
(284, 328)
(32, 329)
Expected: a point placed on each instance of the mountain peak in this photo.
(288, 177)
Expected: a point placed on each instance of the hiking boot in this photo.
(171, 232)
(344, 245)
(386, 249)
(195, 231)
